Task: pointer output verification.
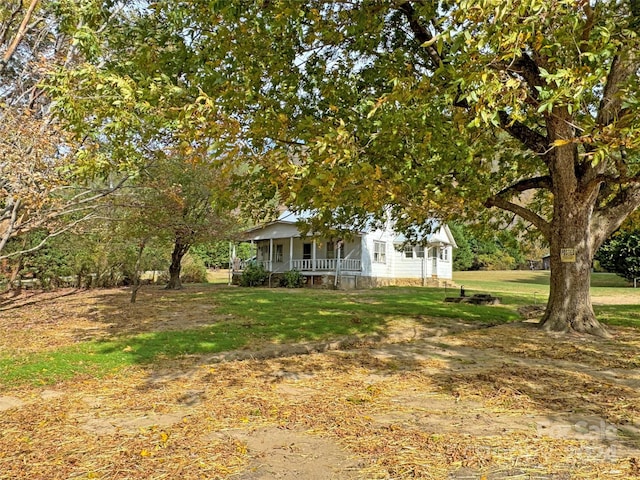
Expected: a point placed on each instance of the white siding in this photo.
(376, 269)
(400, 267)
(445, 267)
(410, 267)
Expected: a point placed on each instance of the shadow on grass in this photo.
(532, 279)
(619, 315)
(167, 325)
(12, 300)
(250, 318)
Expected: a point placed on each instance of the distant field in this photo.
(218, 276)
(606, 288)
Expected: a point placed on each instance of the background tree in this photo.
(39, 186)
(478, 251)
(621, 254)
(436, 109)
(217, 254)
(189, 201)
(150, 116)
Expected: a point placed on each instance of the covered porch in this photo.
(308, 256)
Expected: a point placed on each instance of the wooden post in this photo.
(270, 253)
(290, 253)
(313, 255)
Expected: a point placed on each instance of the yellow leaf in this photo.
(561, 142)
(430, 42)
(145, 453)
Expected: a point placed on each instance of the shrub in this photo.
(253, 275)
(498, 261)
(621, 254)
(292, 279)
(193, 270)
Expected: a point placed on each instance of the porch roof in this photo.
(285, 226)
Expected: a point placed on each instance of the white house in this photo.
(370, 258)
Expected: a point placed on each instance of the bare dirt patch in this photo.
(431, 399)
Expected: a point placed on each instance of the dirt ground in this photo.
(434, 399)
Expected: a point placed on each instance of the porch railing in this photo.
(326, 264)
(309, 265)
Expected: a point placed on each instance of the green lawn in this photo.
(615, 302)
(253, 317)
(529, 283)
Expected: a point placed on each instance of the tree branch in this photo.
(534, 141)
(607, 218)
(19, 36)
(588, 26)
(14, 226)
(421, 33)
(522, 212)
(527, 68)
(66, 228)
(523, 185)
(15, 207)
(611, 104)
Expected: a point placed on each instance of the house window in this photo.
(379, 252)
(419, 251)
(279, 253)
(331, 250)
(306, 251)
(444, 254)
(408, 251)
(263, 252)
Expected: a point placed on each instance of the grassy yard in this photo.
(529, 283)
(615, 302)
(94, 387)
(230, 318)
(217, 318)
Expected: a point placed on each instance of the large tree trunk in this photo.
(569, 308)
(179, 250)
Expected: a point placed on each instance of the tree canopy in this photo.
(420, 109)
(42, 186)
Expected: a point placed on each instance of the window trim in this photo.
(379, 252)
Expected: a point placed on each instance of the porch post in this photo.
(270, 254)
(335, 283)
(434, 261)
(313, 256)
(232, 256)
(290, 253)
